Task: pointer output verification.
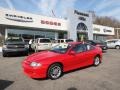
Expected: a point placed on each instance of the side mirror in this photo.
(72, 53)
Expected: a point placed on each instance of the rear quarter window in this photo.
(89, 47)
(114, 41)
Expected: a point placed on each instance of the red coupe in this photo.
(60, 59)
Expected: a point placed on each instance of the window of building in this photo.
(81, 26)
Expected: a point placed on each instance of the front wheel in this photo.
(117, 47)
(96, 61)
(55, 71)
(4, 54)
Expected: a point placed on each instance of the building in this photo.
(78, 26)
(117, 33)
(102, 32)
(16, 23)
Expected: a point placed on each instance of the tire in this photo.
(117, 47)
(52, 74)
(4, 54)
(97, 61)
(26, 53)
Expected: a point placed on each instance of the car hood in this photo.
(42, 56)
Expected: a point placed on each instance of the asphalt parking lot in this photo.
(104, 77)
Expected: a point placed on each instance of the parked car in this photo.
(60, 59)
(60, 41)
(100, 44)
(42, 44)
(113, 43)
(14, 45)
(63, 40)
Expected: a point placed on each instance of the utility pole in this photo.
(10, 5)
(53, 13)
(117, 33)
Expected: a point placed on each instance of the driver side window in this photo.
(79, 48)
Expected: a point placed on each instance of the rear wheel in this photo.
(117, 47)
(96, 61)
(54, 71)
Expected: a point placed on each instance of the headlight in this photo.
(35, 64)
(4, 46)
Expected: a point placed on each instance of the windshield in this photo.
(14, 39)
(61, 48)
(45, 40)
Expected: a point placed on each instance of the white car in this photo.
(113, 43)
(60, 41)
(42, 44)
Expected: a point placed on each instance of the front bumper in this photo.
(6, 50)
(39, 72)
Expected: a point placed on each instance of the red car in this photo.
(60, 59)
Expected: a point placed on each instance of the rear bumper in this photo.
(103, 47)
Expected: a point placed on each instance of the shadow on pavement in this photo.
(72, 88)
(78, 69)
(104, 51)
(5, 83)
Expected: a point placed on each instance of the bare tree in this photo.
(107, 21)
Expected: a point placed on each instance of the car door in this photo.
(76, 60)
(111, 44)
(90, 54)
(84, 55)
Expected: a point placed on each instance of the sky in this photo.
(59, 7)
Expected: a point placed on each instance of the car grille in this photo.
(15, 46)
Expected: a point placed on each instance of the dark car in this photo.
(14, 45)
(100, 44)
